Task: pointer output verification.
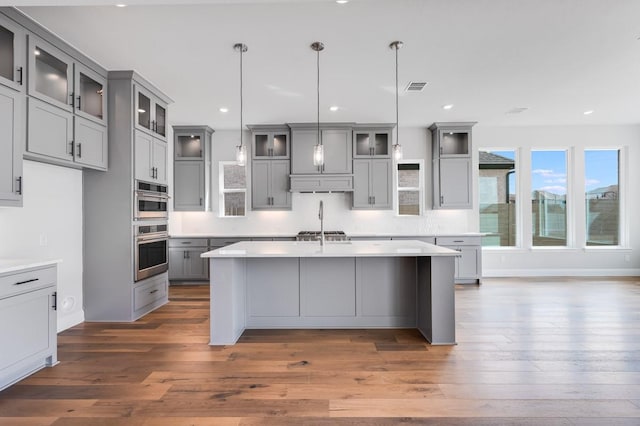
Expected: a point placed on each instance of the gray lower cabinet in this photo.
(185, 262)
(327, 287)
(11, 146)
(28, 330)
(270, 185)
(387, 288)
(469, 264)
(150, 158)
(273, 287)
(372, 184)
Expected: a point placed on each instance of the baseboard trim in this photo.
(70, 320)
(498, 273)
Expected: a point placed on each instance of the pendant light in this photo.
(318, 150)
(397, 148)
(241, 150)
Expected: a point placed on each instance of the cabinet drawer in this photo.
(311, 183)
(24, 281)
(188, 242)
(149, 293)
(215, 243)
(458, 241)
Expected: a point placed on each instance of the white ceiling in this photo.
(558, 58)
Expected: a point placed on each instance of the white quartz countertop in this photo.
(13, 265)
(373, 248)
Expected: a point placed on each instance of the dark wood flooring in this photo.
(530, 352)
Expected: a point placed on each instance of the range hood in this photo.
(321, 183)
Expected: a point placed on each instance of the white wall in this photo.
(578, 260)
(49, 226)
(416, 144)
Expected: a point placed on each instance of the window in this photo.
(410, 187)
(497, 197)
(233, 189)
(601, 169)
(549, 198)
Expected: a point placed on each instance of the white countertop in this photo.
(13, 265)
(373, 248)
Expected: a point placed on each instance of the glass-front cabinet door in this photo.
(90, 94)
(151, 115)
(271, 145)
(160, 120)
(12, 66)
(143, 109)
(50, 74)
(372, 143)
(189, 146)
(454, 142)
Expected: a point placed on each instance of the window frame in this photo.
(222, 190)
(420, 188)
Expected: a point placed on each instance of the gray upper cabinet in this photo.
(91, 144)
(50, 74)
(50, 130)
(372, 184)
(270, 142)
(151, 113)
(89, 90)
(372, 141)
(337, 142)
(150, 158)
(452, 165)
(13, 70)
(191, 168)
(270, 185)
(11, 146)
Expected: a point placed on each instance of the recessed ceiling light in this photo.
(121, 5)
(588, 112)
(36, 52)
(224, 109)
(448, 106)
(334, 108)
(342, 1)
(141, 111)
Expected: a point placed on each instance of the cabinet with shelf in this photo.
(372, 140)
(191, 168)
(452, 165)
(151, 113)
(12, 54)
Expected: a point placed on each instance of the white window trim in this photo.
(223, 191)
(420, 188)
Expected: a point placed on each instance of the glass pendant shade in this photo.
(241, 155)
(318, 155)
(397, 152)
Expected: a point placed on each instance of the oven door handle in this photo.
(145, 194)
(151, 239)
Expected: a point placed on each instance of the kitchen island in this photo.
(350, 284)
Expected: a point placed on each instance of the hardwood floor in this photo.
(530, 352)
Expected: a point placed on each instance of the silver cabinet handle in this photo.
(80, 150)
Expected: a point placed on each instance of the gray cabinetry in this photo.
(66, 109)
(273, 287)
(11, 146)
(27, 322)
(327, 287)
(337, 142)
(151, 113)
(452, 166)
(469, 264)
(372, 140)
(191, 168)
(12, 54)
(270, 142)
(270, 185)
(185, 262)
(372, 184)
(150, 158)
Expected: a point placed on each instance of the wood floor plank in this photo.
(530, 352)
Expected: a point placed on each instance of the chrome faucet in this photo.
(321, 217)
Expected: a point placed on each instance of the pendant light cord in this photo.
(397, 126)
(241, 105)
(318, 95)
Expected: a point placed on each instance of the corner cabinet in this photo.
(28, 324)
(191, 168)
(270, 167)
(11, 146)
(452, 165)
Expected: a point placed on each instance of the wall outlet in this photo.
(43, 240)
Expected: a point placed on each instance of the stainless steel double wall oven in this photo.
(151, 236)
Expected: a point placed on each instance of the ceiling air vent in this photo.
(415, 86)
(517, 110)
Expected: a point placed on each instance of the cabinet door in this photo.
(160, 120)
(160, 157)
(196, 268)
(302, 143)
(50, 74)
(467, 264)
(91, 143)
(188, 186)
(11, 146)
(176, 263)
(381, 185)
(188, 146)
(455, 183)
(279, 181)
(260, 196)
(337, 151)
(361, 182)
(454, 142)
(142, 153)
(50, 130)
(90, 94)
(12, 54)
(374, 143)
(143, 109)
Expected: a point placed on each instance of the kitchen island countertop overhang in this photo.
(353, 284)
